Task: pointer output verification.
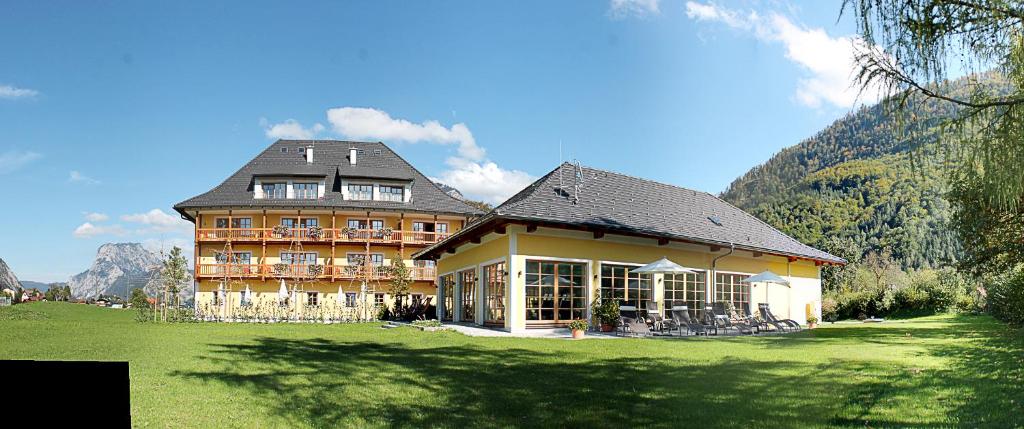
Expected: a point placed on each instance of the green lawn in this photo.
(941, 371)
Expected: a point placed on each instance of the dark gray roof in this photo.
(615, 202)
(330, 159)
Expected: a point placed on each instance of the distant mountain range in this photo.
(450, 191)
(119, 268)
(862, 184)
(42, 287)
(7, 278)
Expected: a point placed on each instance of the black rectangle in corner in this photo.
(71, 391)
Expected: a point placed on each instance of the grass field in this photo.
(941, 371)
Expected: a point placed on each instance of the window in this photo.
(242, 301)
(275, 191)
(361, 224)
(688, 290)
(313, 299)
(378, 299)
(302, 150)
(494, 283)
(555, 291)
(447, 286)
(305, 191)
(628, 288)
(417, 298)
(376, 259)
(237, 222)
(350, 299)
(216, 297)
(730, 288)
(284, 150)
(239, 258)
(360, 192)
(296, 258)
(467, 279)
(392, 193)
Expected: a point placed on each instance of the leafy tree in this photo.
(485, 207)
(401, 278)
(139, 300)
(172, 275)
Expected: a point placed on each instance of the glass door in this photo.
(494, 287)
(556, 292)
(467, 279)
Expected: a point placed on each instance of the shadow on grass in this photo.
(320, 382)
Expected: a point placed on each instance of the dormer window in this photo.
(302, 150)
(360, 192)
(273, 191)
(306, 191)
(284, 150)
(392, 193)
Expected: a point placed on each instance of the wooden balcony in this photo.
(294, 271)
(325, 235)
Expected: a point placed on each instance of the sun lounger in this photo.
(724, 321)
(681, 317)
(630, 322)
(792, 324)
(766, 315)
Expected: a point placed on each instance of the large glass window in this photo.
(392, 193)
(730, 288)
(628, 288)
(555, 291)
(313, 298)
(376, 259)
(298, 258)
(685, 289)
(448, 290)
(306, 191)
(467, 280)
(494, 282)
(275, 190)
(360, 192)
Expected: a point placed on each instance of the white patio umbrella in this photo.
(767, 277)
(221, 291)
(341, 297)
(661, 266)
(248, 294)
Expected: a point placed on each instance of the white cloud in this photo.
(361, 123)
(484, 180)
(619, 9)
(13, 160)
(12, 92)
(157, 221)
(74, 176)
(158, 245)
(829, 62)
(95, 217)
(290, 129)
(87, 230)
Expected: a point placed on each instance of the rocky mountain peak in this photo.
(7, 278)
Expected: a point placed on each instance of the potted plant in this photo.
(578, 328)
(812, 322)
(606, 314)
(350, 232)
(316, 232)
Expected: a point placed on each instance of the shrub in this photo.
(1006, 297)
(829, 309)
(579, 325)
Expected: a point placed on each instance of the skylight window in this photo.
(715, 220)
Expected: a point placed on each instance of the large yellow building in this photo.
(539, 259)
(310, 228)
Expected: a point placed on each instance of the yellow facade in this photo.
(517, 246)
(333, 250)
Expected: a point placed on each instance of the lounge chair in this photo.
(681, 317)
(709, 321)
(767, 317)
(630, 322)
(788, 322)
(749, 318)
(655, 320)
(724, 320)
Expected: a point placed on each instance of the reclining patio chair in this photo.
(771, 320)
(630, 322)
(751, 320)
(681, 317)
(723, 319)
(793, 324)
(656, 321)
(709, 322)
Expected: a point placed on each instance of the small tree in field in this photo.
(173, 274)
(139, 300)
(401, 277)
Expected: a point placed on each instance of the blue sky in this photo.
(112, 112)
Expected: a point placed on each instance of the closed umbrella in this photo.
(282, 293)
(341, 297)
(248, 294)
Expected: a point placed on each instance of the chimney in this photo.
(352, 155)
(309, 154)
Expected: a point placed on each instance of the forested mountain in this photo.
(867, 182)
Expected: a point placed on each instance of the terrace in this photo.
(329, 272)
(322, 235)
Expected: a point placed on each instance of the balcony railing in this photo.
(338, 235)
(292, 271)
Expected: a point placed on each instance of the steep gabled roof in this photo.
(616, 202)
(375, 161)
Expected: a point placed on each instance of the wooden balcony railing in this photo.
(292, 271)
(337, 235)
